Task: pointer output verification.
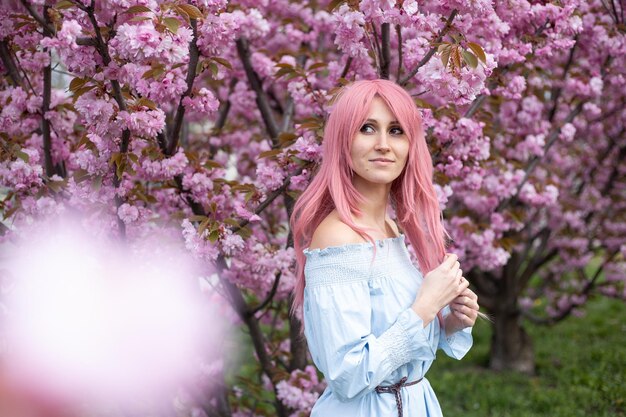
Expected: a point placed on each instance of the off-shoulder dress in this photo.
(362, 332)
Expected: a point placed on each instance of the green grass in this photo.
(581, 371)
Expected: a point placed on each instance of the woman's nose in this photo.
(381, 144)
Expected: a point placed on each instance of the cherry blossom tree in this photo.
(203, 119)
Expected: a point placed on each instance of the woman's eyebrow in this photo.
(392, 122)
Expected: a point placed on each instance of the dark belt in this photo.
(395, 390)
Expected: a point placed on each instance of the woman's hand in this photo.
(463, 312)
(439, 287)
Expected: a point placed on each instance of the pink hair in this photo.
(412, 193)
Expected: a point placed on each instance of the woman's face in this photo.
(380, 148)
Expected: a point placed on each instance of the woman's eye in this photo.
(396, 131)
(367, 128)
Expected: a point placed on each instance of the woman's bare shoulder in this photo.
(333, 232)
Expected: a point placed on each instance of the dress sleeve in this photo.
(337, 319)
(457, 344)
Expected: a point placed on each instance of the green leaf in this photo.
(285, 137)
(445, 57)
(77, 83)
(270, 153)
(214, 69)
(96, 183)
(139, 19)
(469, 59)
(423, 104)
(478, 51)
(318, 65)
(223, 62)
(192, 11)
(214, 235)
(22, 155)
(197, 218)
(283, 71)
(154, 72)
(81, 175)
(138, 9)
(121, 167)
(334, 4)
(116, 157)
(172, 24)
(244, 232)
(212, 164)
(147, 103)
(10, 212)
(64, 4)
(203, 225)
(79, 92)
(56, 185)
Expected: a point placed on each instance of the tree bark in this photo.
(511, 347)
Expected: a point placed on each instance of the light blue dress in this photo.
(362, 331)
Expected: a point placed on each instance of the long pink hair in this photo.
(412, 193)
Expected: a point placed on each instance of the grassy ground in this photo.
(581, 371)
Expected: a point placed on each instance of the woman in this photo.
(372, 321)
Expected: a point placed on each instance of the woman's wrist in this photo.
(425, 311)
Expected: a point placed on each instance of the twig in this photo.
(535, 161)
(222, 114)
(43, 21)
(255, 83)
(556, 92)
(45, 105)
(103, 50)
(270, 296)
(346, 68)
(9, 64)
(290, 107)
(399, 35)
(270, 198)
(589, 285)
(258, 340)
(432, 50)
(385, 56)
(194, 55)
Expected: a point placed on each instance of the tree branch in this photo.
(589, 285)
(222, 114)
(9, 64)
(346, 68)
(45, 106)
(535, 161)
(103, 50)
(432, 51)
(253, 310)
(556, 92)
(290, 107)
(271, 197)
(385, 52)
(399, 35)
(258, 340)
(261, 97)
(194, 55)
(43, 21)
(476, 104)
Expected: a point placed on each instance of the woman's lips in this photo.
(382, 161)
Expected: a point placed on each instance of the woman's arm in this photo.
(337, 326)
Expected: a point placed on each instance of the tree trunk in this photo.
(511, 347)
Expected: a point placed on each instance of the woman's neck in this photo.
(374, 209)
